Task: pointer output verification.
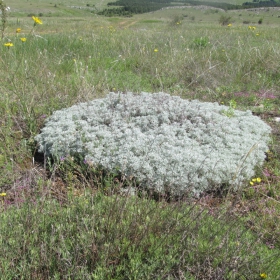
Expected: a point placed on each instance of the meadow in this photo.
(61, 221)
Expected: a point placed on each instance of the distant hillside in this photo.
(130, 7)
(258, 4)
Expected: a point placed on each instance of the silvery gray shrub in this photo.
(165, 142)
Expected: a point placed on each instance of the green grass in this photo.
(104, 237)
(57, 220)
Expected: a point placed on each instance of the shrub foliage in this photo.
(167, 144)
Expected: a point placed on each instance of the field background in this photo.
(76, 56)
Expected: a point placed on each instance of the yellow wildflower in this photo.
(3, 194)
(36, 20)
(18, 30)
(155, 50)
(263, 275)
(23, 39)
(229, 25)
(255, 180)
(257, 34)
(8, 45)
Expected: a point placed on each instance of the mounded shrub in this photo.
(166, 143)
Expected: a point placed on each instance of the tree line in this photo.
(130, 7)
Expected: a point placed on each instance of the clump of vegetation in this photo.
(201, 42)
(176, 20)
(166, 143)
(224, 20)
